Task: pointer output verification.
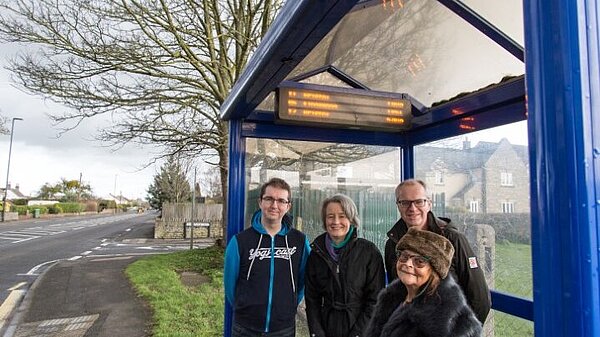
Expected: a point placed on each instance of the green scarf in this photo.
(346, 239)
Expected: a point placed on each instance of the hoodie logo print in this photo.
(265, 253)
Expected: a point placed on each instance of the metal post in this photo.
(12, 129)
(193, 204)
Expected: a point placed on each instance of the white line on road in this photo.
(9, 304)
(87, 252)
(74, 258)
(36, 268)
(17, 286)
(128, 229)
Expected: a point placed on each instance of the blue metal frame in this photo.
(298, 28)
(563, 86)
(236, 196)
(562, 73)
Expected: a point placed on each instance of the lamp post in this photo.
(12, 131)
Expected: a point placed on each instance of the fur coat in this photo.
(444, 314)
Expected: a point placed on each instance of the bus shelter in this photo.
(494, 104)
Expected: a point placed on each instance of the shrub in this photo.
(71, 207)
(55, 209)
(22, 210)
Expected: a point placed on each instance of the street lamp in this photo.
(12, 131)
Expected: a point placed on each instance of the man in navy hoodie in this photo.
(264, 268)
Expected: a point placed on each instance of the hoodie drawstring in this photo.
(287, 247)
(254, 257)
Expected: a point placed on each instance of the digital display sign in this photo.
(302, 103)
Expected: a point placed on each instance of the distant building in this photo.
(487, 178)
(13, 193)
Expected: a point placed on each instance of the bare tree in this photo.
(3, 122)
(160, 69)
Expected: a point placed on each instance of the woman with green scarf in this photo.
(344, 274)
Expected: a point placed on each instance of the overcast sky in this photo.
(38, 156)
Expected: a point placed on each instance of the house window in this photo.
(506, 179)
(439, 178)
(508, 207)
(474, 206)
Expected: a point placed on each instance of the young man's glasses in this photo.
(418, 260)
(270, 201)
(406, 203)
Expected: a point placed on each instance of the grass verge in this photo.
(178, 310)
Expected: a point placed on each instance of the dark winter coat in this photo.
(464, 267)
(443, 314)
(341, 296)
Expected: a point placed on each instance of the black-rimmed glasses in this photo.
(270, 201)
(406, 203)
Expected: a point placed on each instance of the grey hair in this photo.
(348, 206)
(411, 182)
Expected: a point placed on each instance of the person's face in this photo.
(413, 215)
(274, 204)
(413, 273)
(337, 223)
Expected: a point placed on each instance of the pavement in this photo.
(88, 297)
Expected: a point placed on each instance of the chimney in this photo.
(466, 144)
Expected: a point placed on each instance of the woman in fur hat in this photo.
(425, 300)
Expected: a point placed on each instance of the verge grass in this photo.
(178, 310)
(513, 274)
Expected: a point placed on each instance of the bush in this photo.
(20, 202)
(71, 207)
(55, 209)
(91, 206)
(22, 210)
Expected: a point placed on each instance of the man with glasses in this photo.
(264, 268)
(415, 212)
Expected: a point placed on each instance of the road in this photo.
(28, 247)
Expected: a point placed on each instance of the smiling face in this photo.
(337, 223)
(410, 275)
(412, 215)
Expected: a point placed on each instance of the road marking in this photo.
(15, 233)
(128, 229)
(23, 240)
(87, 252)
(9, 304)
(17, 286)
(113, 258)
(74, 258)
(96, 248)
(36, 268)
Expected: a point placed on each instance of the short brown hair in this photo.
(276, 183)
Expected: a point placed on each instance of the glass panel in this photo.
(420, 48)
(486, 191)
(506, 15)
(368, 174)
(315, 171)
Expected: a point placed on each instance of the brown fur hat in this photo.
(432, 246)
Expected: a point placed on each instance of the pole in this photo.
(79, 194)
(193, 204)
(12, 131)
